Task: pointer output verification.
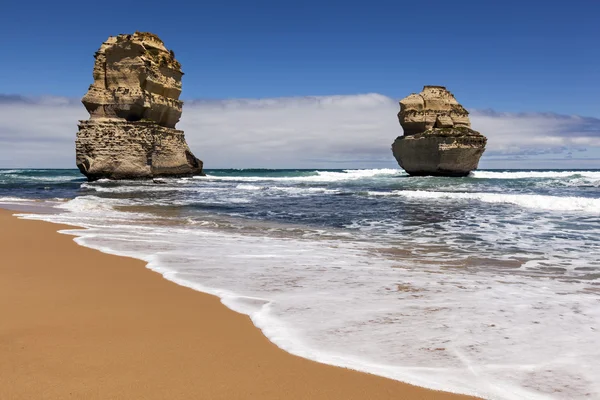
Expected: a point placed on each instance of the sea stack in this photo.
(134, 106)
(438, 139)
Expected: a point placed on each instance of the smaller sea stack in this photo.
(134, 106)
(438, 139)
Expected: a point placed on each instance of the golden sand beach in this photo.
(80, 324)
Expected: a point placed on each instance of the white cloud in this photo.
(293, 132)
(302, 132)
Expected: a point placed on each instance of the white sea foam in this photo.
(244, 187)
(318, 176)
(251, 187)
(59, 178)
(535, 174)
(14, 200)
(141, 187)
(93, 208)
(305, 190)
(498, 336)
(540, 202)
(91, 204)
(19, 174)
(290, 190)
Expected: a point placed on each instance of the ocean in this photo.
(486, 285)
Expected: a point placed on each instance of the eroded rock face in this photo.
(134, 106)
(438, 139)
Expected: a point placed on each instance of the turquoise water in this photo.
(488, 284)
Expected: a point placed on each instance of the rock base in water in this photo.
(133, 150)
(438, 139)
(440, 152)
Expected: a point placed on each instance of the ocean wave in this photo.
(251, 187)
(541, 202)
(21, 177)
(302, 190)
(254, 170)
(13, 200)
(98, 206)
(134, 188)
(50, 178)
(595, 175)
(318, 176)
(293, 190)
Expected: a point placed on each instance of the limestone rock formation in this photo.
(134, 106)
(438, 139)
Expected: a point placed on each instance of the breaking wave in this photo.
(539, 202)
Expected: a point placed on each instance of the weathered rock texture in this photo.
(134, 106)
(438, 139)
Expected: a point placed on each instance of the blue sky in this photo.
(509, 57)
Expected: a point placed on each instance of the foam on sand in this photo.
(482, 286)
(334, 302)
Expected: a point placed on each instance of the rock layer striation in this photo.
(438, 139)
(134, 106)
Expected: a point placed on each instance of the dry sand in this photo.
(76, 323)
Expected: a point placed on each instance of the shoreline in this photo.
(85, 324)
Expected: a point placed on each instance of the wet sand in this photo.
(77, 323)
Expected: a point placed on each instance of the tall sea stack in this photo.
(134, 106)
(438, 139)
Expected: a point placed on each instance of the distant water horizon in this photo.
(486, 285)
